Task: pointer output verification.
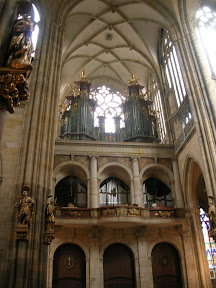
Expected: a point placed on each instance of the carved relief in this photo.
(133, 212)
(164, 214)
(109, 212)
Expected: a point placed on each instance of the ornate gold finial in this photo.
(83, 76)
(133, 80)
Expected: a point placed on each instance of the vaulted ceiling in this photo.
(111, 39)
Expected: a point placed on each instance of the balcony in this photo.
(121, 214)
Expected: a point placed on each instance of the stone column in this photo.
(179, 201)
(94, 193)
(136, 179)
(95, 277)
(38, 145)
(132, 191)
(88, 192)
(145, 263)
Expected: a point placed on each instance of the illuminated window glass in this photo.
(206, 31)
(109, 104)
(36, 28)
(209, 244)
(172, 69)
(159, 110)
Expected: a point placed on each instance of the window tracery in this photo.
(108, 105)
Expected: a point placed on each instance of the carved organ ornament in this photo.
(77, 119)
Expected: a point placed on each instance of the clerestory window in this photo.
(172, 69)
(206, 31)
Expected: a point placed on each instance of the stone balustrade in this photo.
(119, 211)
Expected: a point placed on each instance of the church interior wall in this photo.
(32, 153)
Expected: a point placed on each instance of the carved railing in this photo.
(119, 211)
(184, 136)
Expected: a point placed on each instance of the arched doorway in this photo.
(166, 266)
(118, 267)
(69, 267)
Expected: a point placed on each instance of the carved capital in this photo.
(13, 87)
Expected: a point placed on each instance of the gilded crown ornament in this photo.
(133, 80)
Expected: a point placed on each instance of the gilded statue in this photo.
(26, 207)
(21, 47)
(50, 215)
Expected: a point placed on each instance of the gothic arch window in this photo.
(158, 107)
(109, 105)
(172, 69)
(156, 193)
(206, 31)
(71, 191)
(113, 191)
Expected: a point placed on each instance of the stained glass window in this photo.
(209, 243)
(206, 28)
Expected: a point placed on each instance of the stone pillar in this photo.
(95, 277)
(88, 192)
(38, 147)
(145, 263)
(132, 191)
(136, 179)
(94, 193)
(179, 201)
(87, 273)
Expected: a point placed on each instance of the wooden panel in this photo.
(69, 267)
(118, 267)
(166, 266)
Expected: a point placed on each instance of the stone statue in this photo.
(26, 207)
(50, 215)
(212, 213)
(21, 47)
